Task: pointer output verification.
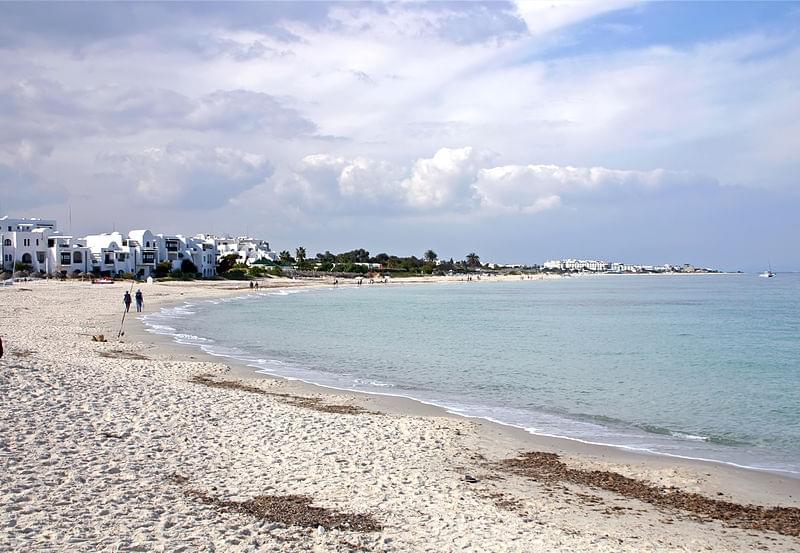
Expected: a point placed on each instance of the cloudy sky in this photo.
(659, 132)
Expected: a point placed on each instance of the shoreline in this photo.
(412, 406)
(144, 443)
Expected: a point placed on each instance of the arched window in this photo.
(7, 242)
(77, 257)
(26, 258)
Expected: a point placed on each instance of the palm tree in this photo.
(431, 257)
(300, 255)
(473, 260)
(285, 257)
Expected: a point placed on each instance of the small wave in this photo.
(160, 329)
(191, 337)
(691, 437)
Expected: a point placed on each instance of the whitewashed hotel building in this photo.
(39, 247)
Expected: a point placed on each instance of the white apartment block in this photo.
(249, 250)
(36, 245)
(578, 265)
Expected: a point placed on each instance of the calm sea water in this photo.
(697, 366)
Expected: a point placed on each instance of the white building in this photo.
(249, 250)
(110, 252)
(23, 243)
(177, 248)
(37, 246)
(590, 265)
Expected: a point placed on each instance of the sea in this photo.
(697, 366)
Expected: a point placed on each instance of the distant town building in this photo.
(37, 246)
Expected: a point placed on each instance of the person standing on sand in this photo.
(139, 300)
(126, 299)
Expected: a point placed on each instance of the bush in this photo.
(276, 271)
(235, 274)
(226, 263)
(128, 276)
(163, 269)
(20, 266)
(180, 275)
(188, 267)
(256, 271)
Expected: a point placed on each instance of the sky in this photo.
(640, 132)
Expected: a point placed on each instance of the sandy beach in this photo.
(140, 444)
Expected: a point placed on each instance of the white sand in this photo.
(88, 445)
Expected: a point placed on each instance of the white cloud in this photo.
(544, 16)
(462, 180)
(534, 188)
(186, 176)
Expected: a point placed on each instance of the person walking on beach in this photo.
(127, 301)
(139, 300)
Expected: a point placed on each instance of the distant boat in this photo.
(769, 273)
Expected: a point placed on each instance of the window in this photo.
(26, 242)
(7, 242)
(77, 257)
(37, 241)
(26, 258)
(40, 257)
(51, 243)
(8, 257)
(65, 258)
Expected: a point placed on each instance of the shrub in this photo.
(163, 269)
(276, 271)
(256, 271)
(235, 274)
(188, 267)
(20, 266)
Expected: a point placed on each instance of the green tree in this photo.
(188, 267)
(300, 255)
(163, 269)
(473, 260)
(431, 257)
(226, 263)
(285, 257)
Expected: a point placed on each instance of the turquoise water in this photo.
(697, 366)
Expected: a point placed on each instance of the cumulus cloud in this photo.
(533, 188)
(462, 180)
(445, 180)
(186, 176)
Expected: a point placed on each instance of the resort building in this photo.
(578, 265)
(23, 243)
(36, 246)
(249, 250)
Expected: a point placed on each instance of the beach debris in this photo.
(548, 467)
(122, 354)
(470, 479)
(291, 510)
(314, 403)
(98, 338)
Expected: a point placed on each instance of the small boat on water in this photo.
(768, 273)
